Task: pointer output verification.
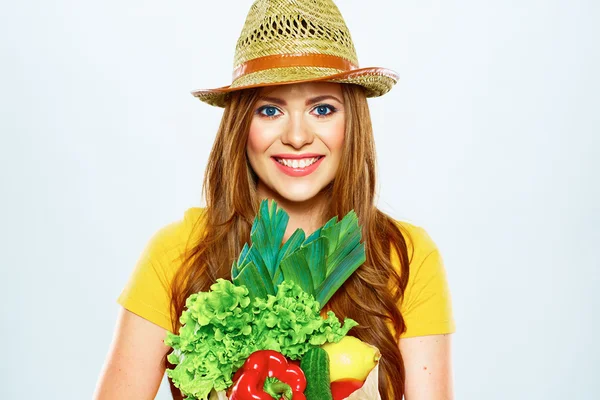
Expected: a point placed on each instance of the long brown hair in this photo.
(370, 296)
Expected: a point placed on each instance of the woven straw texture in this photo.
(292, 27)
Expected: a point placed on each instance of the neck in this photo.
(306, 215)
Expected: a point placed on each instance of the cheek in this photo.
(259, 138)
(334, 137)
(257, 143)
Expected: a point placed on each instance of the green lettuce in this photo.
(222, 327)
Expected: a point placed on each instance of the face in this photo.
(296, 137)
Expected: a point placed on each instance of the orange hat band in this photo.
(293, 60)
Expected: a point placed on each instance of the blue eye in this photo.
(322, 110)
(268, 111)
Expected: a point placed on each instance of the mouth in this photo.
(297, 167)
(297, 163)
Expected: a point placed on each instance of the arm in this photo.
(428, 366)
(134, 366)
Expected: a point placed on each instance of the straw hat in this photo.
(290, 41)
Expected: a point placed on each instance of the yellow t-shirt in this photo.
(426, 306)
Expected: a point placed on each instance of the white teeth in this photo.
(302, 163)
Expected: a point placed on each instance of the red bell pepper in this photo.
(343, 388)
(267, 375)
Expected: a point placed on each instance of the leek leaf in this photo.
(291, 245)
(296, 269)
(257, 286)
(314, 253)
(340, 274)
(234, 270)
(266, 234)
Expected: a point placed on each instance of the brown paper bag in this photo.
(369, 389)
(214, 395)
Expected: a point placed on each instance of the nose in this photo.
(297, 132)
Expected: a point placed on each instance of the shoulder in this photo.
(419, 243)
(147, 290)
(183, 226)
(426, 304)
(179, 231)
(172, 240)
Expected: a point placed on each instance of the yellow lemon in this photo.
(351, 358)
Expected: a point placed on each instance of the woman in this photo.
(296, 128)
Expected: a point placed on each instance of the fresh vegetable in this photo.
(351, 358)
(345, 387)
(272, 303)
(320, 264)
(267, 375)
(315, 365)
(222, 327)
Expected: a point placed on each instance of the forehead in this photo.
(302, 90)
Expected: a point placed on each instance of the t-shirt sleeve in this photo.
(427, 305)
(147, 292)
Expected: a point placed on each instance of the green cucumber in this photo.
(315, 365)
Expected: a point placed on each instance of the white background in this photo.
(489, 141)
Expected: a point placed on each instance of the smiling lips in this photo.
(297, 165)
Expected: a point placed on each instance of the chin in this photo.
(299, 194)
(297, 197)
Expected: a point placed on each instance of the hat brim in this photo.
(377, 81)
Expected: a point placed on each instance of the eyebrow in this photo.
(312, 100)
